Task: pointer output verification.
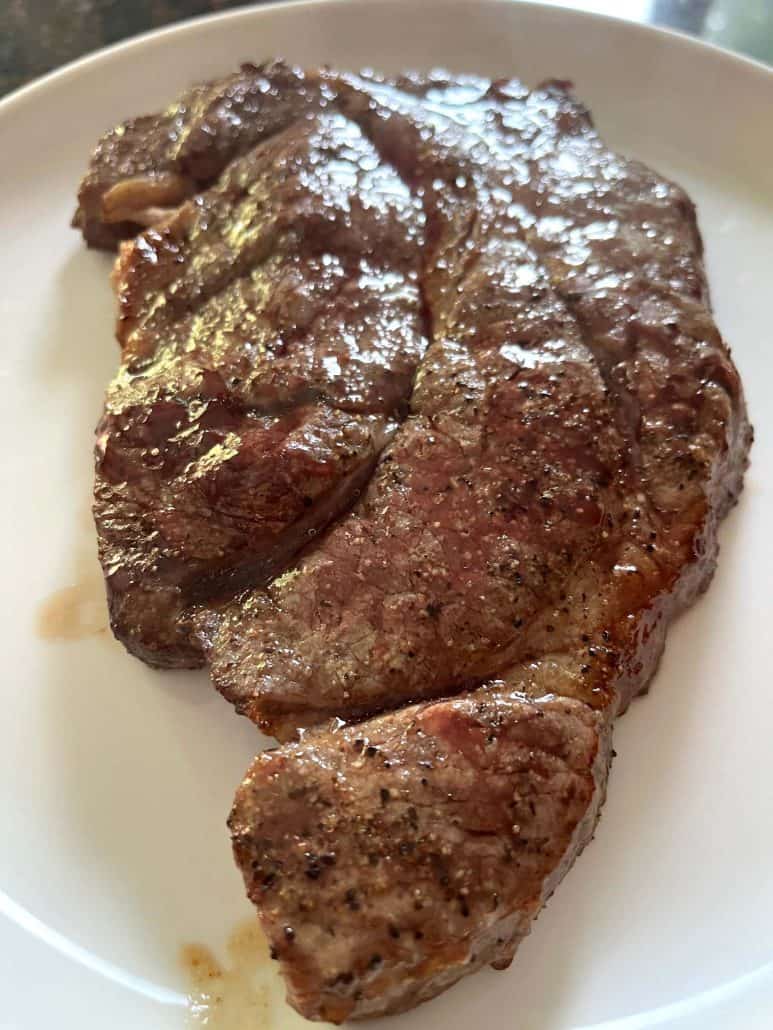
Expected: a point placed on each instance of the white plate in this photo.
(115, 780)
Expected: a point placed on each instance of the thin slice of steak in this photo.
(270, 330)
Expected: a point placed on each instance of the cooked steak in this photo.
(559, 386)
(270, 329)
(546, 498)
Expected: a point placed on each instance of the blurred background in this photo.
(39, 35)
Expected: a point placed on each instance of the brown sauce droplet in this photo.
(74, 612)
(246, 994)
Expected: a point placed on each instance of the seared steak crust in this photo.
(270, 329)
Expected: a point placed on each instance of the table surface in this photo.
(39, 35)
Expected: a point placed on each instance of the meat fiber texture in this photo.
(269, 331)
(534, 448)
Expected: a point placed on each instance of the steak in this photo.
(269, 330)
(529, 501)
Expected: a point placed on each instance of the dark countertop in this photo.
(39, 35)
